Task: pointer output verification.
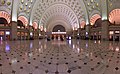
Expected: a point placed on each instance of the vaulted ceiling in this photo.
(69, 13)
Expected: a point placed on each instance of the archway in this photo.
(114, 16)
(34, 34)
(59, 27)
(96, 23)
(4, 34)
(5, 15)
(94, 18)
(114, 19)
(22, 25)
(82, 24)
(24, 20)
(4, 22)
(58, 32)
(35, 25)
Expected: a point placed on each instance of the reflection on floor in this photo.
(56, 57)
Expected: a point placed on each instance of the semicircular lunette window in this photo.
(35, 25)
(5, 15)
(3, 21)
(24, 20)
(114, 16)
(94, 18)
(82, 24)
(59, 28)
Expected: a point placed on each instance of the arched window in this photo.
(94, 18)
(35, 25)
(82, 24)
(5, 15)
(24, 20)
(114, 16)
(59, 28)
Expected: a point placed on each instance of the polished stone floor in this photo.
(59, 57)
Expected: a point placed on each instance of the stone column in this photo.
(105, 30)
(13, 30)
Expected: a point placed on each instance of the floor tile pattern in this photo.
(59, 57)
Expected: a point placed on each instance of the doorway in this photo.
(59, 33)
(116, 38)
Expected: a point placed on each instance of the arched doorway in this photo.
(114, 30)
(22, 28)
(96, 23)
(20, 33)
(35, 33)
(58, 32)
(4, 26)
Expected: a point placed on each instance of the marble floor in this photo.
(59, 57)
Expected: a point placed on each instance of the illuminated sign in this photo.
(7, 33)
(58, 32)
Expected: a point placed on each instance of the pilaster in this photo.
(13, 30)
